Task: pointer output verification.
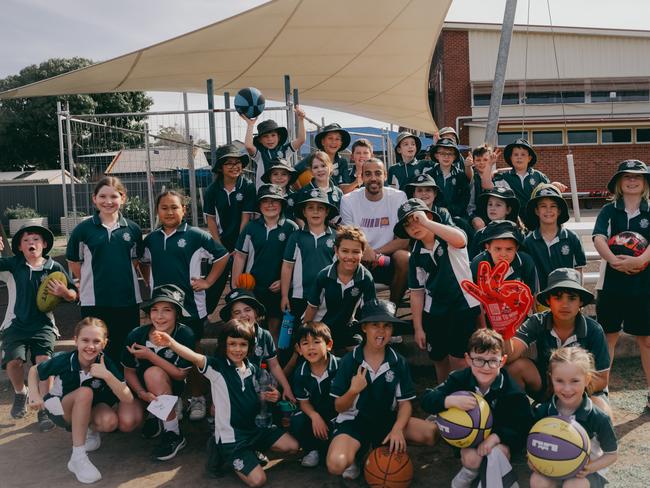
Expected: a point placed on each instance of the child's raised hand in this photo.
(161, 339)
(139, 351)
(494, 156)
(271, 395)
(249, 122)
(469, 160)
(460, 401)
(359, 382)
(35, 400)
(319, 427)
(300, 113)
(57, 288)
(396, 441)
(98, 370)
(418, 218)
(560, 186)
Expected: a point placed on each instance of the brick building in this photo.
(604, 83)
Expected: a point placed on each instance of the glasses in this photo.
(232, 164)
(480, 362)
(446, 154)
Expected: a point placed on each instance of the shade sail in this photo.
(367, 57)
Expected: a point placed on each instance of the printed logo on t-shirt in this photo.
(330, 243)
(259, 351)
(168, 354)
(440, 251)
(390, 376)
(565, 250)
(532, 181)
(126, 236)
(182, 243)
(453, 181)
(376, 222)
(290, 202)
(282, 236)
(238, 464)
(96, 384)
(354, 291)
(643, 223)
(239, 197)
(417, 172)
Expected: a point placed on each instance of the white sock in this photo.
(78, 451)
(172, 425)
(23, 391)
(467, 474)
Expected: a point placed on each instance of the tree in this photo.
(28, 126)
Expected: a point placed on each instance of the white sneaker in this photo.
(93, 440)
(310, 460)
(197, 408)
(179, 409)
(352, 472)
(84, 470)
(464, 478)
(396, 339)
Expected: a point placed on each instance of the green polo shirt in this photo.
(176, 259)
(236, 403)
(307, 386)
(309, 253)
(22, 287)
(68, 375)
(334, 193)
(108, 277)
(264, 347)
(454, 189)
(614, 219)
(387, 386)
(337, 303)
(588, 334)
(227, 207)
(521, 269)
(564, 251)
(522, 188)
(264, 156)
(400, 173)
(140, 335)
(264, 247)
(439, 272)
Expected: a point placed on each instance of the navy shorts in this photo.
(197, 326)
(614, 310)
(240, 455)
(368, 433)
(16, 342)
(448, 334)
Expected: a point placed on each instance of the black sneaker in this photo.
(45, 424)
(18, 409)
(170, 444)
(152, 428)
(261, 457)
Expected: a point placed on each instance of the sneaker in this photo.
(464, 478)
(396, 339)
(197, 408)
(45, 424)
(179, 409)
(310, 460)
(93, 440)
(352, 472)
(152, 428)
(170, 444)
(18, 409)
(84, 470)
(261, 458)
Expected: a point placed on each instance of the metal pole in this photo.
(574, 187)
(190, 162)
(289, 103)
(500, 72)
(383, 147)
(226, 105)
(59, 126)
(152, 215)
(213, 135)
(70, 159)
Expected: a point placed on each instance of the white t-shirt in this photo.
(376, 219)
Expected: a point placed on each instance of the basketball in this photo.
(44, 300)
(462, 428)
(249, 102)
(246, 281)
(558, 447)
(304, 179)
(384, 469)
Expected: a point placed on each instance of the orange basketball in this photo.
(388, 470)
(304, 179)
(246, 280)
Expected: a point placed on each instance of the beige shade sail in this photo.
(367, 57)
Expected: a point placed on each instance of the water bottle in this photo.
(264, 383)
(286, 330)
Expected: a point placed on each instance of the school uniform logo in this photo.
(630, 164)
(238, 464)
(234, 295)
(290, 202)
(335, 197)
(282, 236)
(565, 250)
(643, 223)
(239, 197)
(390, 376)
(440, 251)
(96, 384)
(532, 182)
(178, 296)
(330, 243)
(416, 173)
(406, 207)
(181, 243)
(259, 351)
(314, 193)
(453, 181)
(355, 291)
(126, 236)
(168, 354)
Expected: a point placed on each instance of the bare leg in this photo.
(77, 407)
(16, 374)
(341, 453)
(400, 261)
(442, 369)
(612, 339)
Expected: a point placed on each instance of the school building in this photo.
(599, 105)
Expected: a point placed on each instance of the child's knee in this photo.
(106, 422)
(256, 478)
(15, 364)
(576, 483)
(539, 481)
(337, 462)
(130, 421)
(643, 341)
(84, 394)
(470, 458)
(155, 375)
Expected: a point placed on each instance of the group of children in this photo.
(353, 389)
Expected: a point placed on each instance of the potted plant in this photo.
(20, 216)
(70, 221)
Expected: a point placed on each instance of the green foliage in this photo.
(28, 126)
(137, 210)
(20, 212)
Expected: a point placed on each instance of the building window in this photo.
(547, 137)
(589, 136)
(620, 96)
(617, 136)
(643, 135)
(483, 99)
(505, 138)
(539, 98)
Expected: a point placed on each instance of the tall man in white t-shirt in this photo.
(373, 208)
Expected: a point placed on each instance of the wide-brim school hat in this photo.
(507, 152)
(505, 194)
(280, 163)
(315, 195)
(501, 229)
(445, 132)
(381, 311)
(230, 151)
(545, 190)
(44, 232)
(407, 209)
(405, 135)
(274, 192)
(422, 181)
(169, 294)
(345, 136)
(241, 295)
(267, 126)
(444, 142)
(632, 166)
(565, 279)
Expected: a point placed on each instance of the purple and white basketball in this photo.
(462, 428)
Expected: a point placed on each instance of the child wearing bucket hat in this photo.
(332, 139)
(549, 243)
(407, 146)
(564, 324)
(373, 390)
(271, 142)
(280, 173)
(259, 251)
(496, 203)
(444, 316)
(25, 329)
(152, 371)
(463, 164)
(484, 160)
(425, 188)
(624, 285)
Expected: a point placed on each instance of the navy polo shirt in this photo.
(337, 303)
(264, 347)
(439, 272)
(176, 259)
(614, 219)
(108, 277)
(309, 253)
(512, 415)
(476, 188)
(588, 334)
(236, 403)
(22, 287)
(523, 189)
(454, 190)
(316, 389)
(334, 193)
(140, 335)
(264, 247)
(227, 207)
(387, 386)
(564, 251)
(263, 157)
(521, 269)
(68, 375)
(400, 173)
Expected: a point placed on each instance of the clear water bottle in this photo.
(286, 330)
(263, 384)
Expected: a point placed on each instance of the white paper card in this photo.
(162, 406)
(53, 405)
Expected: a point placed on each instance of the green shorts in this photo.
(240, 455)
(368, 433)
(16, 342)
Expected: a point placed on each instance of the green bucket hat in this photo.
(240, 295)
(283, 164)
(507, 152)
(405, 135)
(631, 166)
(407, 209)
(167, 293)
(505, 194)
(564, 279)
(345, 136)
(230, 151)
(267, 126)
(44, 232)
(545, 190)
